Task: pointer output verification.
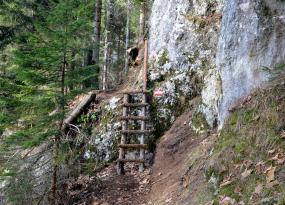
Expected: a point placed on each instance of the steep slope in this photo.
(178, 152)
(242, 164)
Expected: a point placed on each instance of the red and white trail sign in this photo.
(158, 92)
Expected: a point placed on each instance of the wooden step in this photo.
(135, 104)
(131, 160)
(136, 131)
(135, 92)
(135, 146)
(134, 118)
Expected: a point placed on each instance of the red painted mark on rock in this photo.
(158, 92)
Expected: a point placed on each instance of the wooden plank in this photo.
(133, 146)
(120, 164)
(135, 92)
(134, 118)
(143, 128)
(135, 105)
(78, 110)
(145, 64)
(136, 131)
(131, 160)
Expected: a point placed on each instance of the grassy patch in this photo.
(250, 132)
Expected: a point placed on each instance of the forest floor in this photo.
(162, 183)
(107, 188)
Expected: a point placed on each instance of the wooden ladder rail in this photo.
(142, 137)
(125, 132)
(141, 160)
(120, 164)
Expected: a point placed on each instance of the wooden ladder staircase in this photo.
(126, 132)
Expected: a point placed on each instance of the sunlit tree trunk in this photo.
(127, 38)
(97, 32)
(142, 20)
(108, 42)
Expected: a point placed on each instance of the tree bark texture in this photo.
(108, 42)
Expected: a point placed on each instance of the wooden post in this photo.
(143, 127)
(120, 164)
(145, 64)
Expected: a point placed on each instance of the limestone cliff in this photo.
(214, 49)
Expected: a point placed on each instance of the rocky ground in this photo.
(163, 183)
(241, 164)
(107, 188)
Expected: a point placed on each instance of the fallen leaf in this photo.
(259, 167)
(237, 190)
(247, 163)
(256, 118)
(279, 158)
(247, 99)
(228, 201)
(168, 200)
(258, 189)
(272, 184)
(283, 134)
(210, 203)
(270, 174)
(271, 151)
(246, 173)
(145, 181)
(237, 166)
(225, 183)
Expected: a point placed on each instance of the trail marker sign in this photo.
(158, 92)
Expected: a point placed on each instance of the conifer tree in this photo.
(46, 65)
(43, 44)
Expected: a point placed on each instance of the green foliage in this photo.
(42, 64)
(44, 46)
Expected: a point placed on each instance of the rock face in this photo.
(191, 56)
(183, 45)
(252, 38)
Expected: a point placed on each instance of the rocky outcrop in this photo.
(183, 46)
(252, 37)
(191, 56)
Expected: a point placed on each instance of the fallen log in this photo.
(79, 110)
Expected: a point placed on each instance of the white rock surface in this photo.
(183, 43)
(252, 37)
(186, 40)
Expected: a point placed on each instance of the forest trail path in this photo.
(107, 188)
(165, 182)
(128, 189)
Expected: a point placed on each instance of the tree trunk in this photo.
(58, 136)
(78, 110)
(107, 49)
(97, 32)
(105, 69)
(142, 20)
(127, 39)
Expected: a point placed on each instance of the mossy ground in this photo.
(251, 131)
